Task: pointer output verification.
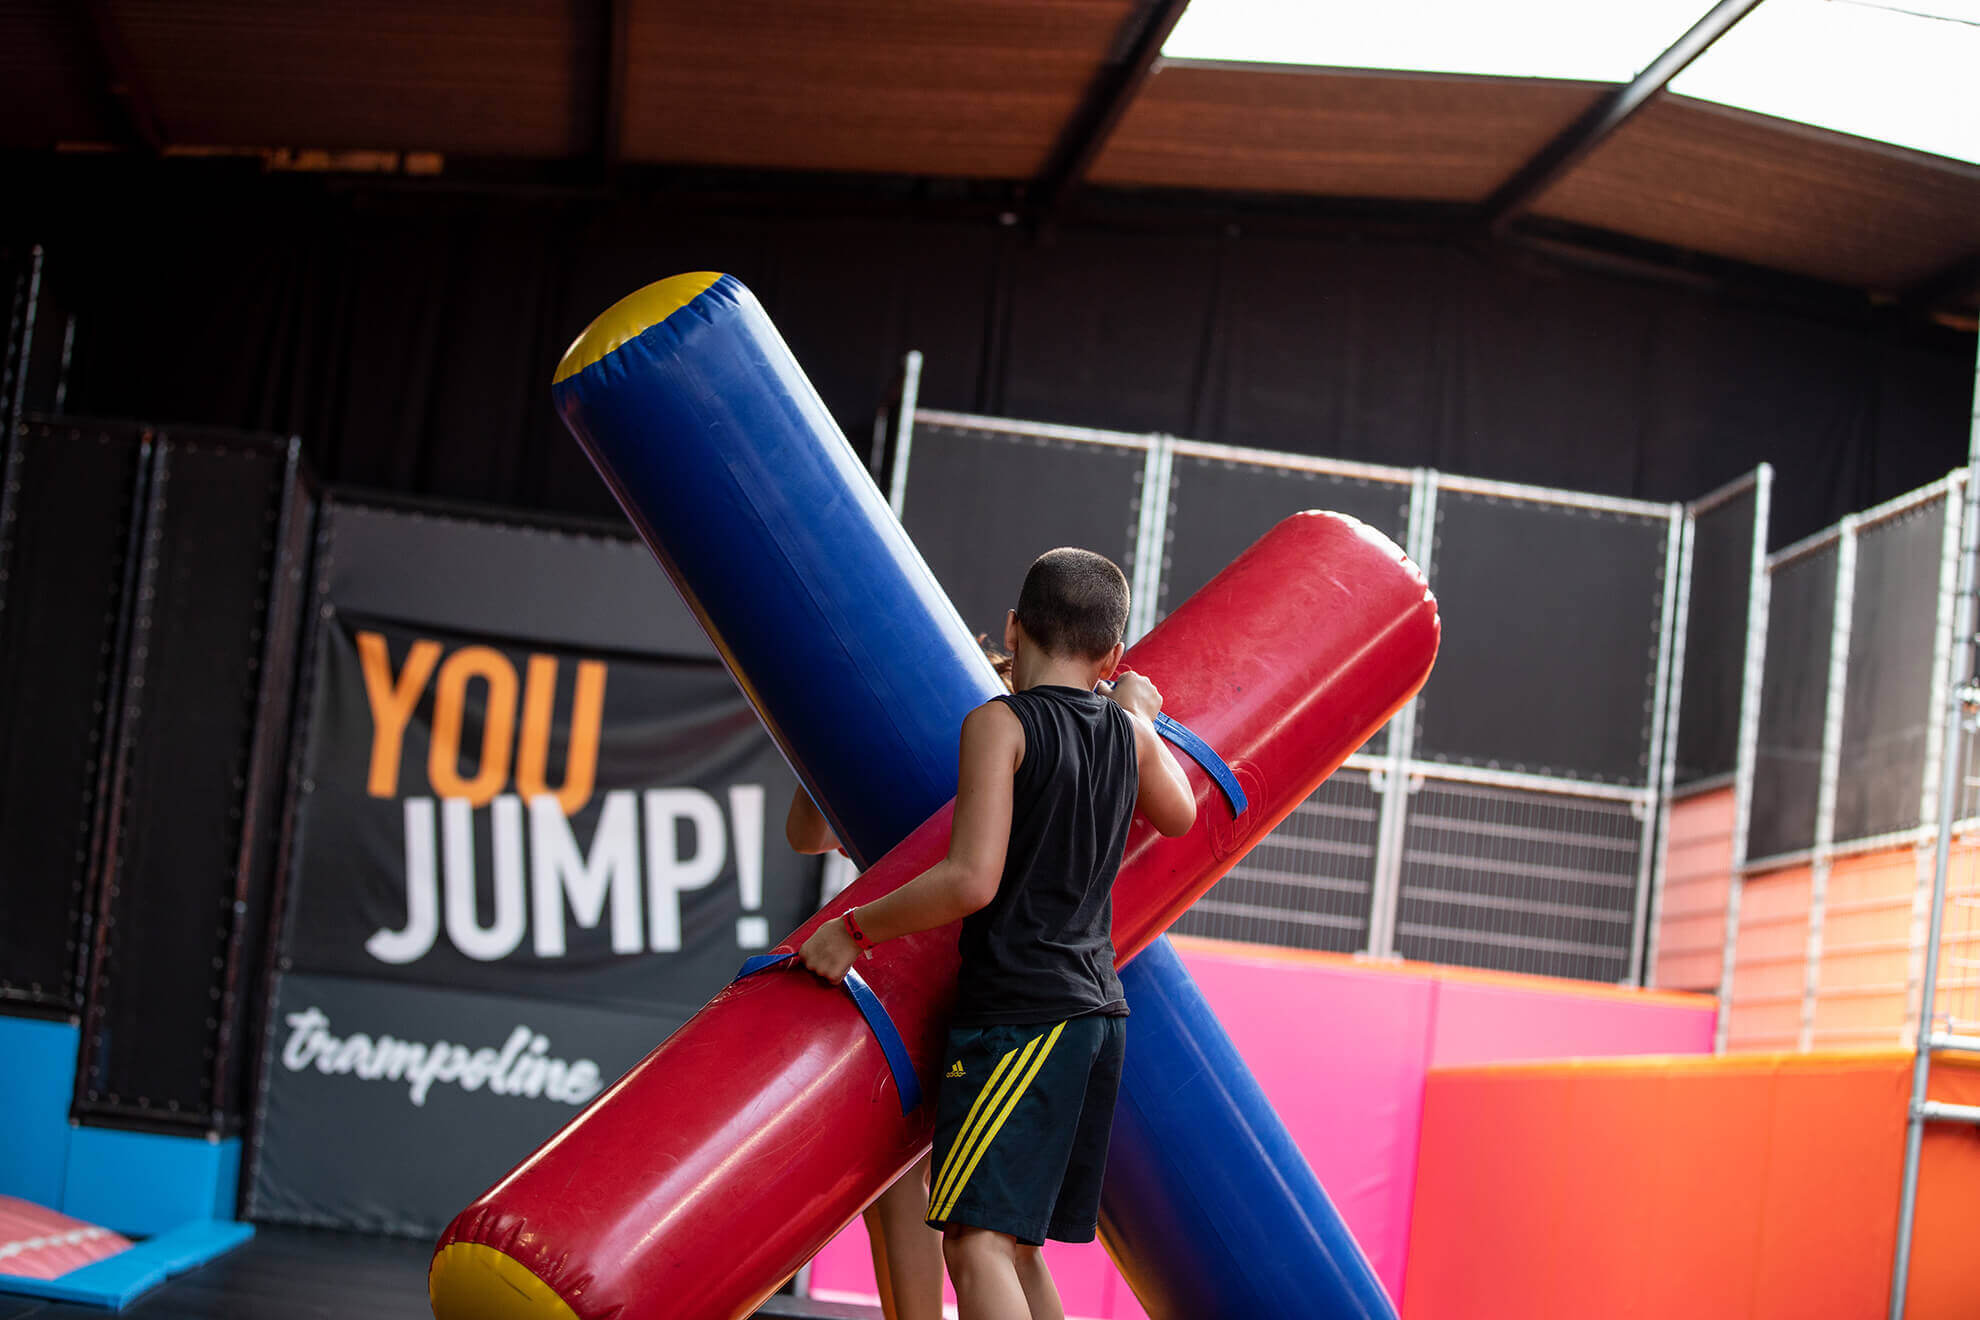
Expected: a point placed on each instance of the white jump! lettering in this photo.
(543, 880)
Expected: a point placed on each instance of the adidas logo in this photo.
(956, 1070)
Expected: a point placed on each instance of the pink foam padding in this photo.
(1487, 1023)
(39, 1243)
(1341, 1053)
(1341, 1048)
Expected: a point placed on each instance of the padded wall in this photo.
(1691, 916)
(1770, 960)
(1762, 1187)
(65, 553)
(1341, 1046)
(198, 764)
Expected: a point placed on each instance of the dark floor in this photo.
(296, 1274)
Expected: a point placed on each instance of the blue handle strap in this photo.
(875, 1013)
(1206, 756)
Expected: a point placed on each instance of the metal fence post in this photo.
(1663, 743)
(1759, 598)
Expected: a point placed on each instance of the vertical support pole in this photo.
(904, 430)
(1662, 769)
(1754, 667)
(1831, 775)
(1952, 772)
(1396, 783)
(1151, 537)
(1917, 1019)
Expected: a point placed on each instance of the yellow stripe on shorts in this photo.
(1005, 1112)
(978, 1111)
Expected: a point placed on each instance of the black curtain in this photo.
(409, 334)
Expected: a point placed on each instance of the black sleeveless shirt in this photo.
(1043, 950)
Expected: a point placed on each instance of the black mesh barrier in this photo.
(198, 765)
(1716, 626)
(981, 505)
(1308, 884)
(1787, 764)
(1887, 687)
(71, 490)
(1551, 616)
(1218, 507)
(1519, 881)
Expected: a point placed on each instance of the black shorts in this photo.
(1021, 1127)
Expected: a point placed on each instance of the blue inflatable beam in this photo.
(736, 475)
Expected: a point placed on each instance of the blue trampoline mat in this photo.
(117, 1281)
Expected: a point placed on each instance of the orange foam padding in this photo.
(1958, 1004)
(1691, 918)
(1945, 1265)
(1864, 988)
(1744, 1187)
(1770, 961)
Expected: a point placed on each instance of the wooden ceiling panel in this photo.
(475, 77)
(960, 88)
(1777, 194)
(47, 94)
(1334, 132)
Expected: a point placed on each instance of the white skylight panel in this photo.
(1900, 71)
(1883, 69)
(1600, 40)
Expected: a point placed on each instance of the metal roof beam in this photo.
(124, 88)
(1119, 80)
(1609, 113)
(614, 16)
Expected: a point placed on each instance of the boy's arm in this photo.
(963, 881)
(805, 827)
(1164, 794)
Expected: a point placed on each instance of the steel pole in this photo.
(1952, 773)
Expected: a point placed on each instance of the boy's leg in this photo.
(983, 1266)
(883, 1278)
(1040, 1293)
(907, 1254)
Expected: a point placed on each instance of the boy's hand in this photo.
(1133, 692)
(830, 952)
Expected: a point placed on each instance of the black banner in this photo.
(536, 822)
(387, 1108)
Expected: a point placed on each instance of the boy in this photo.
(1048, 781)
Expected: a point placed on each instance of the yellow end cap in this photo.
(631, 317)
(470, 1281)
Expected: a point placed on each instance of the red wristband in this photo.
(858, 935)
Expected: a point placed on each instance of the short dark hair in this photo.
(1074, 603)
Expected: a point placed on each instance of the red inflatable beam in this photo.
(722, 1162)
